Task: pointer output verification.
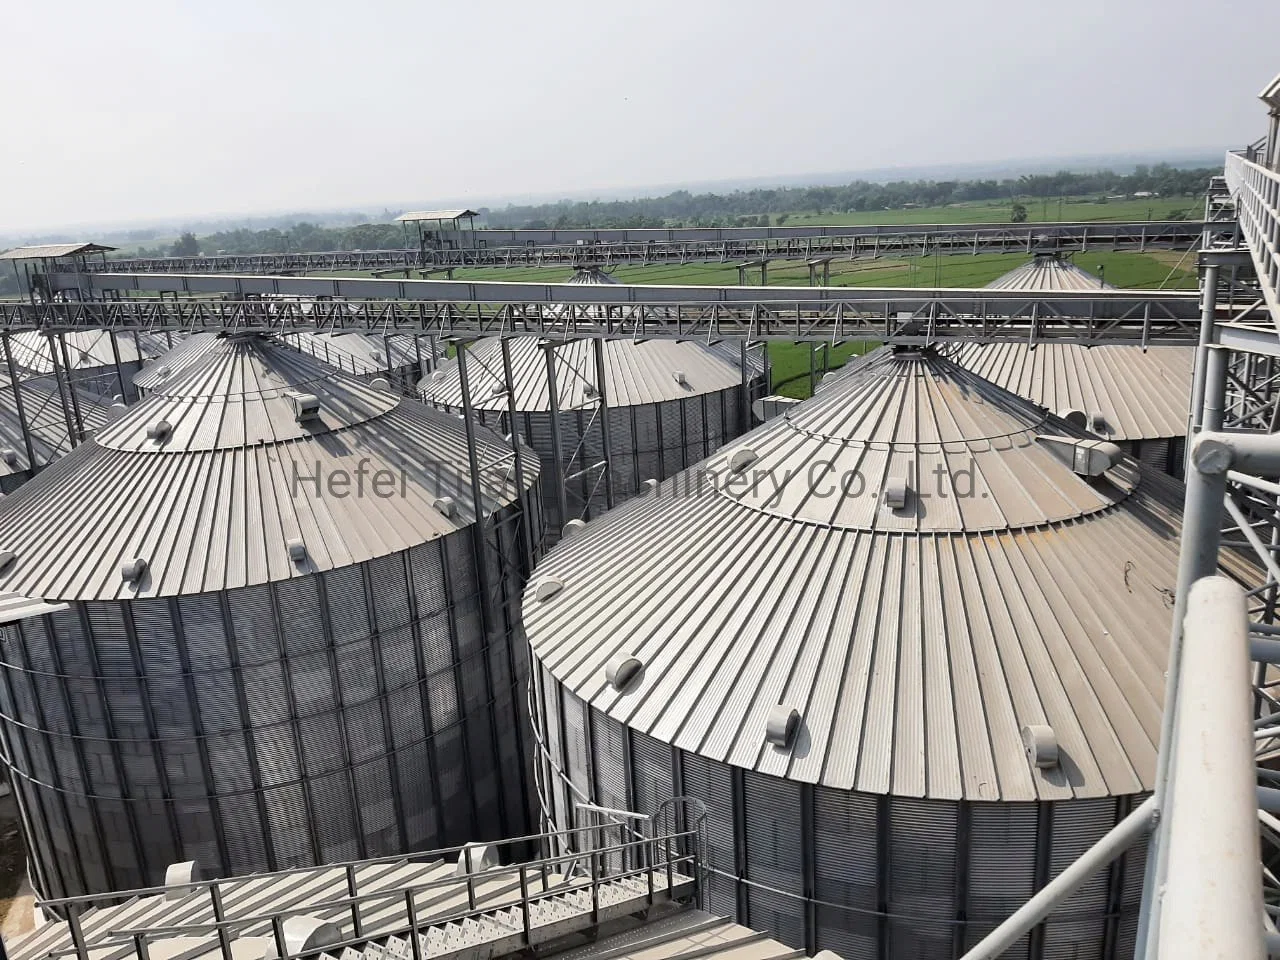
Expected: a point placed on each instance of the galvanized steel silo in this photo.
(95, 361)
(288, 640)
(910, 659)
(670, 404)
(39, 424)
(1134, 396)
(398, 358)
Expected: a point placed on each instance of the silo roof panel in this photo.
(914, 657)
(210, 511)
(635, 373)
(1139, 394)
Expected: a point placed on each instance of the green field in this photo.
(997, 211)
(1138, 271)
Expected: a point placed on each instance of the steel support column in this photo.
(603, 408)
(553, 395)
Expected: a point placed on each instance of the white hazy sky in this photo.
(124, 110)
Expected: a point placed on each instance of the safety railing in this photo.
(1257, 198)
(667, 871)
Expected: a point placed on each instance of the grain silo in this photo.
(288, 641)
(99, 362)
(911, 660)
(1136, 397)
(396, 358)
(670, 404)
(39, 423)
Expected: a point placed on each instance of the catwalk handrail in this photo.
(435, 853)
(1256, 191)
(658, 870)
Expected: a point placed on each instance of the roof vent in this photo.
(179, 875)
(297, 549)
(650, 485)
(781, 725)
(377, 356)
(1088, 458)
(133, 570)
(159, 431)
(547, 588)
(1099, 424)
(306, 406)
(1075, 417)
(1042, 745)
(303, 934)
(571, 527)
(7, 558)
(742, 458)
(895, 493)
(380, 383)
(680, 378)
(590, 392)
(163, 371)
(622, 671)
(478, 856)
(447, 506)
(9, 456)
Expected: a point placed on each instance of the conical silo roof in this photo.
(358, 353)
(914, 643)
(1124, 392)
(191, 350)
(45, 421)
(651, 371)
(1048, 272)
(636, 373)
(86, 349)
(214, 476)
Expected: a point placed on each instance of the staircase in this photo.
(421, 907)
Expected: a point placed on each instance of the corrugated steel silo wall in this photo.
(360, 712)
(648, 441)
(865, 876)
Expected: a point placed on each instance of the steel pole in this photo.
(1208, 307)
(1197, 558)
(526, 491)
(18, 404)
(1213, 895)
(562, 499)
(603, 407)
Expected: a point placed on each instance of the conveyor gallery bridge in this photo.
(533, 248)
(447, 308)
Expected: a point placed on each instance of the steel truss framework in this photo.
(916, 316)
(538, 248)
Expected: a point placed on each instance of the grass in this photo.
(789, 364)
(997, 211)
(1139, 271)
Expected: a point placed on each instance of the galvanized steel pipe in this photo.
(1213, 896)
